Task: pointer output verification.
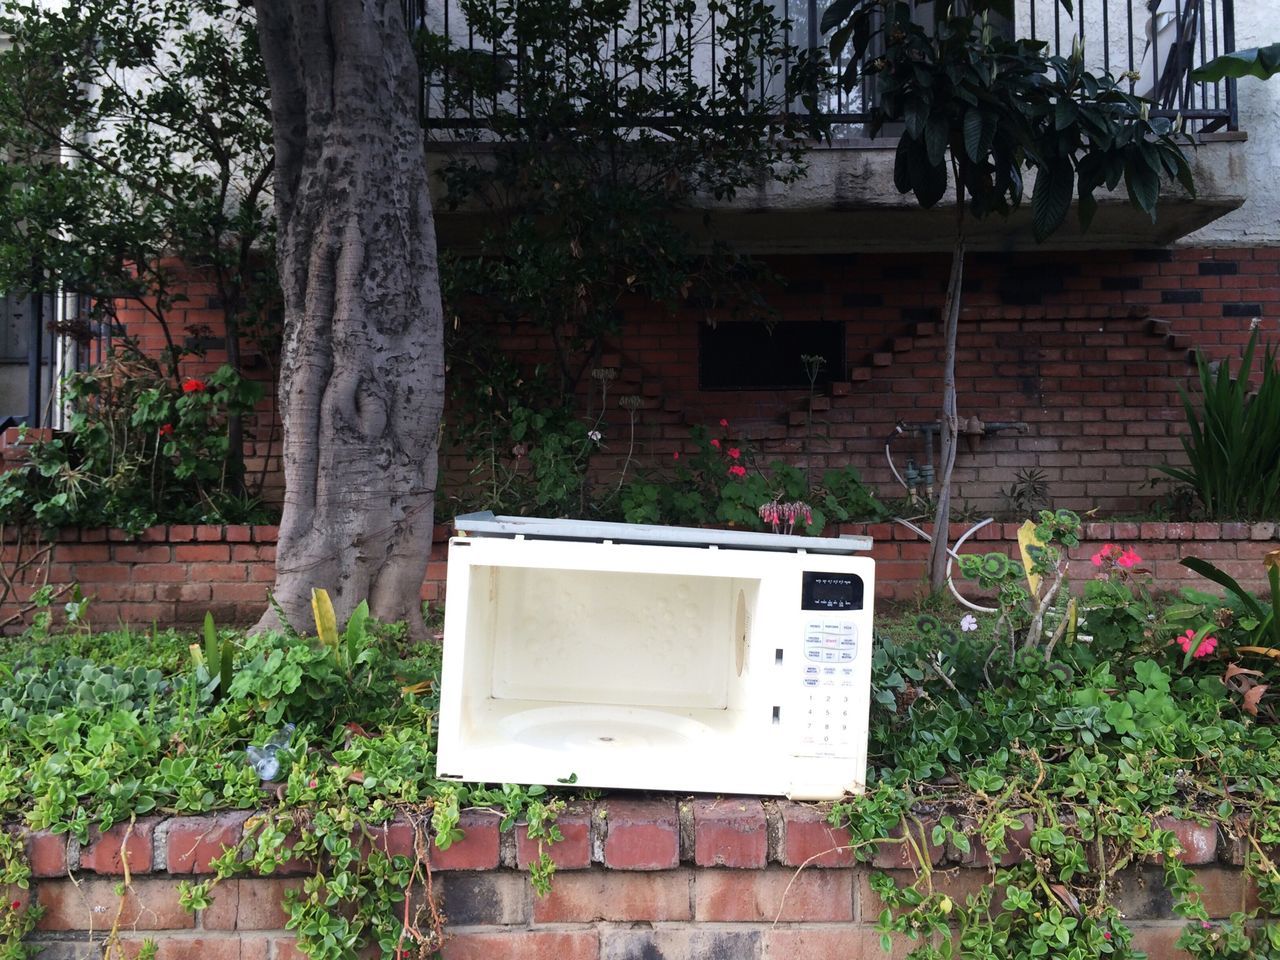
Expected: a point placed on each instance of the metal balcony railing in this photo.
(1152, 44)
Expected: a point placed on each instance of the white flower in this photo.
(969, 623)
(594, 436)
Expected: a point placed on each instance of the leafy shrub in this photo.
(1233, 439)
(140, 449)
(295, 679)
(722, 482)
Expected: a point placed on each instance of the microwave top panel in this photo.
(485, 524)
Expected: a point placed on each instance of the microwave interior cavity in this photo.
(653, 666)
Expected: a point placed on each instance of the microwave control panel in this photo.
(829, 652)
(831, 605)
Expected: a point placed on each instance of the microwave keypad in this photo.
(830, 648)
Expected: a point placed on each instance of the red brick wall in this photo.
(683, 880)
(199, 318)
(173, 575)
(1090, 350)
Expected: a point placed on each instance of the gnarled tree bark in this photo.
(362, 372)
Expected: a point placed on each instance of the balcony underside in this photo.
(848, 203)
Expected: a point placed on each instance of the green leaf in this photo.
(1065, 113)
(835, 14)
(355, 632)
(979, 131)
(1142, 182)
(211, 657)
(935, 139)
(1260, 62)
(1051, 197)
(914, 116)
(902, 165)
(1210, 572)
(928, 181)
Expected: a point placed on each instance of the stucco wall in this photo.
(1258, 221)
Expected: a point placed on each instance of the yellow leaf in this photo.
(326, 621)
(1027, 538)
(1271, 652)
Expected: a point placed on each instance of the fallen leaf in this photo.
(1234, 671)
(1252, 697)
(1069, 899)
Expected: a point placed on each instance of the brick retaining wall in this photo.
(172, 575)
(1088, 348)
(658, 879)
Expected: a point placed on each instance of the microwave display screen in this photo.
(831, 591)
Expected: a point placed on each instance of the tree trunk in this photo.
(950, 426)
(362, 370)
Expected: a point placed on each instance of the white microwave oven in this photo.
(657, 658)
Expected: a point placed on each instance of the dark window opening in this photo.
(752, 355)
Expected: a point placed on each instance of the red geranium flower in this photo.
(192, 385)
(716, 444)
(166, 429)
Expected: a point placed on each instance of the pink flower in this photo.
(1206, 646)
(1129, 558)
(716, 444)
(16, 905)
(724, 423)
(734, 453)
(313, 783)
(192, 385)
(166, 429)
(737, 470)
(675, 454)
(1206, 925)
(1106, 934)
(1099, 557)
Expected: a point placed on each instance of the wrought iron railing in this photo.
(1153, 44)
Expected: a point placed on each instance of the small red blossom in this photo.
(1106, 934)
(1129, 558)
(734, 453)
(313, 783)
(16, 905)
(724, 423)
(716, 444)
(675, 454)
(1205, 647)
(192, 385)
(737, 470)
(1100, 557)
(166, 429)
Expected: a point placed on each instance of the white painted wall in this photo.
(1258, 221)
